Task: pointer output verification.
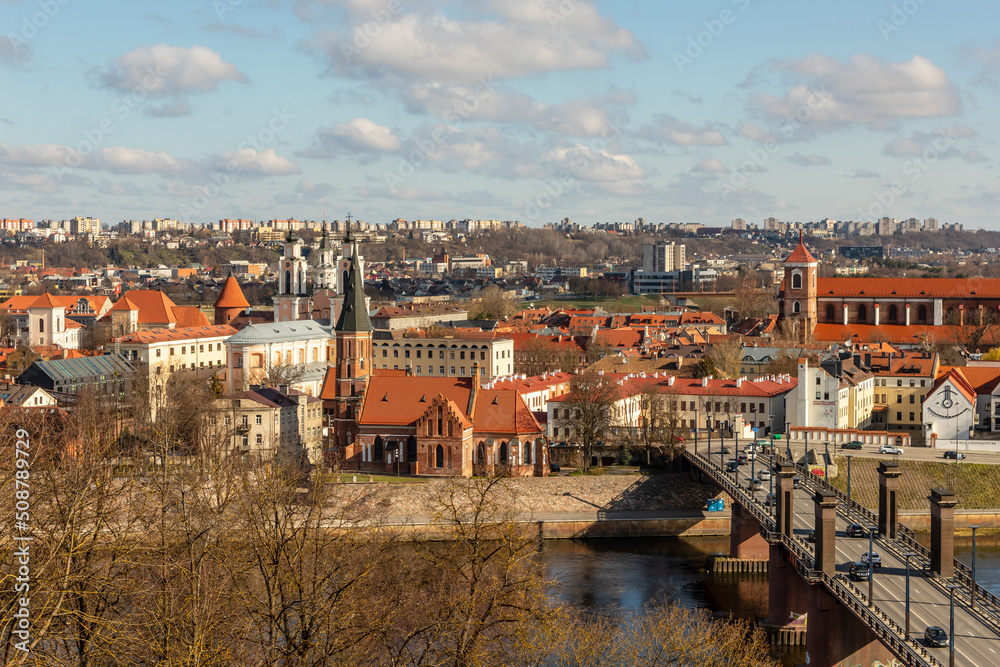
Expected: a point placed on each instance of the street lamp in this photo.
(871, 567)
(908, 555)
(951, 629)
(770, 431)
(849, 457)
(826, 463)
(973, 603)
(696, 430)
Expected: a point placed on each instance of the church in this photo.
(902, 311)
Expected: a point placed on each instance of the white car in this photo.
(890, 449)
(764, 475)
(875, 559)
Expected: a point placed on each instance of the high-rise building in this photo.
(663, 257)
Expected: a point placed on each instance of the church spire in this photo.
(354, 313)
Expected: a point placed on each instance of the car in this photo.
(811, 536)
(859, 572)
(876, 560)
(770, 499)
(725, 449)
(853, 444)
(936, 636)
(755, 485)
(796, 482)
(732, 465)
(952, 454)
(855, 530)
(750, 454)
(553, 467)
(890, 449)
(742, 459)
(764, 475)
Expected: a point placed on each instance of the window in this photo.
(796, 280)
(899, 416)
(912, 398)
(911, 416)
(761, 408)
(452, 354)
(260, 439)
(158, 350)
(817, 395)
(826, 396)
(441, 370)
(418, 366)
(201, 348)
(441, 356)
(893, 312)
(829, 313)
(259, 420)
(817, 380)
(796, 307)
(418, 353)
(461, 355)
(395, 353)
(462, 369)
(899, 383)
(171, 352)
(227, 420)
(922, 314)
(452, 370)
(743, 407)
(183, 350)
(385, 353)
(684, 405)
(862, 313)
(406, 354)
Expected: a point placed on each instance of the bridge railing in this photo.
(747, 499)
(887, 630)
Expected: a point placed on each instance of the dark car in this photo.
(936, 636)
(958, 456)
(770, 500)
(732, 465)
(853, 444)
(797, 483)
(553, 467)
(725, 450)
(859, 572)
(855, 530)
(811, 536)
(742, 458)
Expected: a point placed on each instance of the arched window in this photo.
(922, 314)
(440, 421)
(796, 280)
(41, 325)
(439, 457)
(288, 282)
(411, 449)
(343, 284)
(481, 453)
(829, 313)
(503, 452)
(862, 313)
(796, 307)
(377, 450)
(893, 312)
(526, 453)
(450, 428)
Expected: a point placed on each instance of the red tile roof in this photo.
(231, 296)
(329, 390)
(956, 377)
(503, 411)
(179, 334)
(958, 288)
(154, 306)
(398, 400)
(190, 316)
(981, 379)
(801, 254)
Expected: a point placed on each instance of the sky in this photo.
(530, 110)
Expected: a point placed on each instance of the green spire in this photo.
(354, 313)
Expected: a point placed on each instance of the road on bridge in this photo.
(977, 640)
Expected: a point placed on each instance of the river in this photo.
(625, 574)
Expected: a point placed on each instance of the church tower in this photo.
(292, 300)
(798, 302)
(353, 356)
(325, 273)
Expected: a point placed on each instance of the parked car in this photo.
(732, 465)
(553, 467)
(764, 475)
(890, 449)
(853, 444)
(859, 572)
(936, 636)
(855, 530)
(952, 454)
(875, 559)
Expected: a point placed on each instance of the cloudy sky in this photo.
(532, 110)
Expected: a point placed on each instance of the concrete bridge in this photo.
(879, 621)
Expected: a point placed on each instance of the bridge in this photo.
(878, 621)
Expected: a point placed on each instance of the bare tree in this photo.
(727, 354)
(590, 401)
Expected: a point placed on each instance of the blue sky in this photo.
(532, 110)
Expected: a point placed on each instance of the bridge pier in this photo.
(787, 591)
(826, 531)
(785, 493)
(745, 540)
(943, 532)
(888, 488)
(837, 638)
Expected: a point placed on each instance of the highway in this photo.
(977, 641)
(913, 454)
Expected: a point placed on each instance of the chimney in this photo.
(475, 373)
(739, 382)
(670, 381)
(704, 381)
(868, 360)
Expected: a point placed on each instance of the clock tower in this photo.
(292, 300)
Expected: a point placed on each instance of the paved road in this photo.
(976, 642)
(867, 451)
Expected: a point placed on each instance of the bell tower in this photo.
(292, 300)
(353, 357)
(798, 302)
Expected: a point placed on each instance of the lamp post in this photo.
(871, 567)
(695, 430)
(951, 628)
(849, 457)
(722, 443)
(973, 597)
(770, 432)
(708, 429)
(908, 555)
(826, 463)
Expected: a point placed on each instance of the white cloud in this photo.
(249, 161)
(123, 160)
(711, 166)
(361, 135)
(863, 173)
(754, 132)
(588, 164)
(808, 160)
(825, 93)
(34, 182)
(499, 40)
(38, 155)
(169, 73)
(681, 133)
(941, 141)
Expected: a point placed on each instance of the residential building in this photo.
(446, 357)
(663, 257)
(416, 316)
(902, 382)
(25, 396)
(104, 375)
(272, 423)
(274, 352)
(839, 393)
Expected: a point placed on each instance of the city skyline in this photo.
(530, 111)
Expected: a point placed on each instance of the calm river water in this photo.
(628, 573)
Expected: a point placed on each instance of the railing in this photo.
(887, 630)
(746, 499)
